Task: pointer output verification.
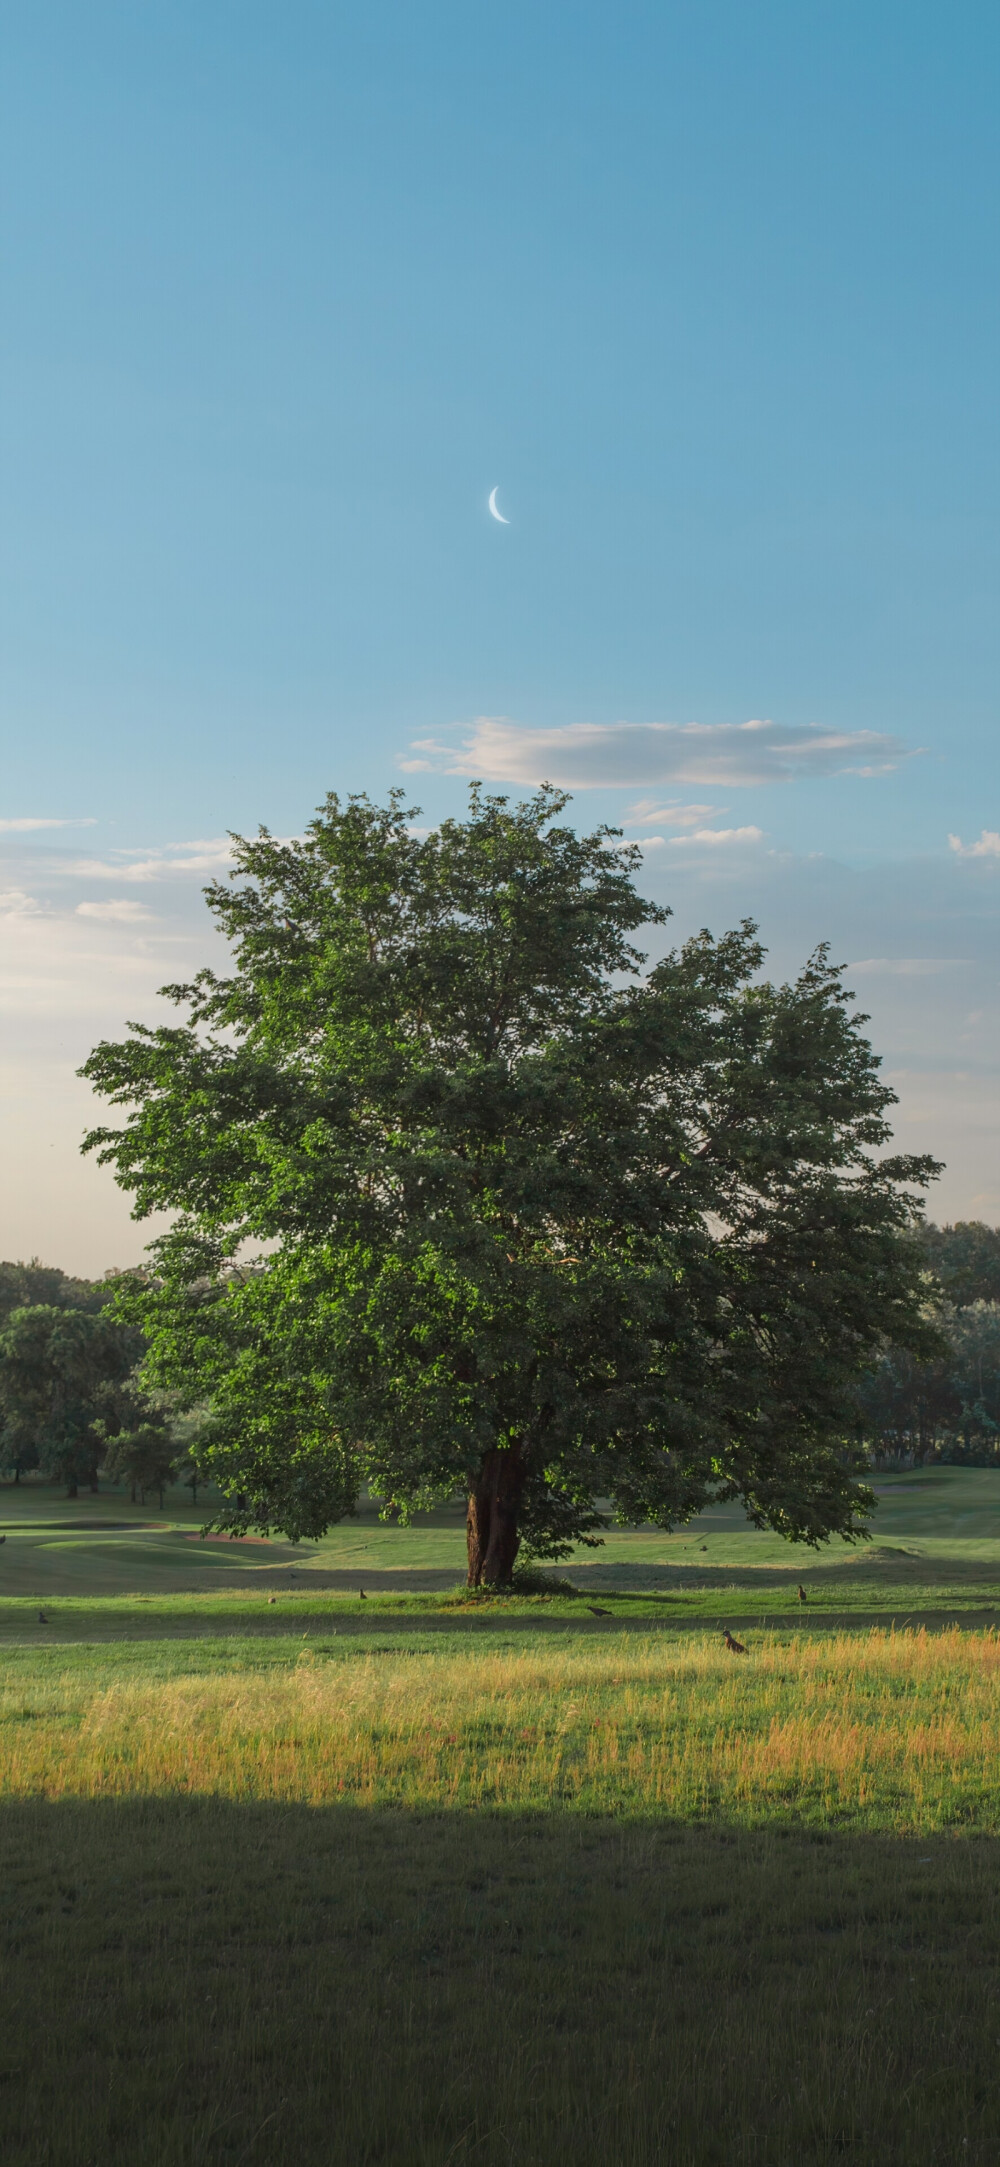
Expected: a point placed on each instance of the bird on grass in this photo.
(3, 1538)
(42, 1618)
(362, 1595)
(596, 1613)
(803, 1597)
(735, 1646)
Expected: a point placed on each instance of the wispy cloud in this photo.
(672, 816)
(585, 756)
(988, 845)
(210, 856)
(907, 966)
(717, 838)
(26, 827)
(119, 910)
(712, 838)
(17, 903)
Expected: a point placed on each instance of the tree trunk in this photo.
(72, 1487)
(491, 1524)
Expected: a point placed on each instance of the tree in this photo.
(190, 1474)
(945, 1409)
(966, 1259)
(907, 1406)
(538, 1227)
(144, 1456)
(32, 1285)
(62, 1371)
(28, 1286)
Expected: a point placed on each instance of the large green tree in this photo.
(530, 1222)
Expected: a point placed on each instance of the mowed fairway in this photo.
(509, 1885)
(935, 1549)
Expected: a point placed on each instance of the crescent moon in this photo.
(493, 507)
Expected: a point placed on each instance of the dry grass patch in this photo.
(891, 1730)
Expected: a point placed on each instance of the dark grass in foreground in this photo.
(452, 1905)
(196, 1981)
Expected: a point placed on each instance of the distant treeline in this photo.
(71, 1403)
(72, 1406)
(948, 1410)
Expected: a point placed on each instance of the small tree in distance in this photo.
(538, 1227)
(64, 1379)
(144, 1456)
(36, 1356)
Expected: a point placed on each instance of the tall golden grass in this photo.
(890, 1730)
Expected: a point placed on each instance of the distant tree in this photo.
(974, 1333)
(944, 1409)
(187, 1428)
(908, 1406)
(145, 1457)
(536, 1231)
(966, 1259)
(18, 1451)
(33, 1285)
(189, 1473)
(62, 1371)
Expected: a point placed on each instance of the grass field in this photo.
(935, 1543)
(323, 1882)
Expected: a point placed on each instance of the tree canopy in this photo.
(965, 1257)
(26, 1286)
(468, 1200)
(947, 1408)
(64, 1384)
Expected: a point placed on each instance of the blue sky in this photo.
(708, 292)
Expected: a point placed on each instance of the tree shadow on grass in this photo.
(192, 1981)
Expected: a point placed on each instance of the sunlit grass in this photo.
(448, 1901)
(898, 1731)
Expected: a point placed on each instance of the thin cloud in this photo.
(119, 910)
(717, 837)
(26, 827)
(713, 838)
(588, 756)
(673, 816)
(988, 845)
(907, 966)
(211, 856)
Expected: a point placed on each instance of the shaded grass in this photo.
(194, 1983)
(891, 1586)
(438, 1901)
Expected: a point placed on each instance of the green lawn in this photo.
(426, 1899)
(935, 1551)
(288, 1879)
